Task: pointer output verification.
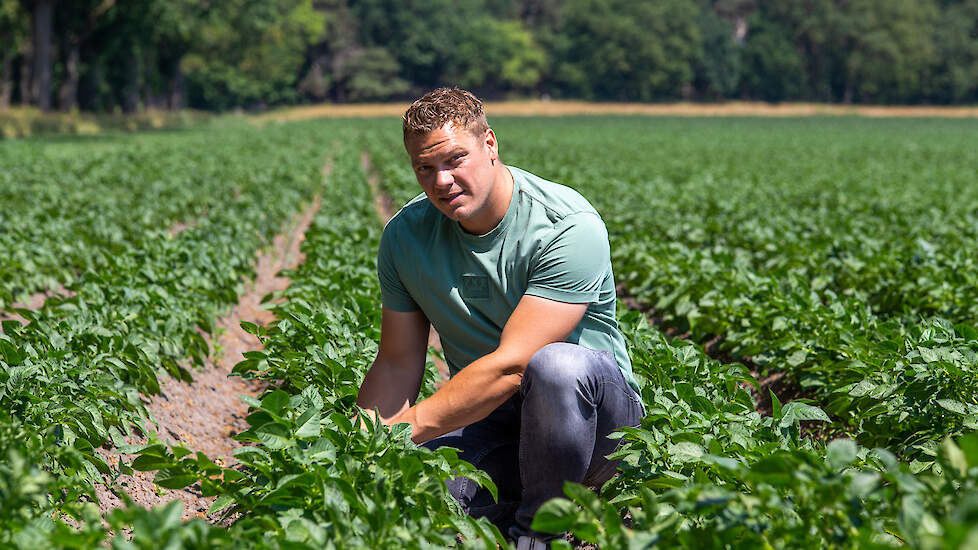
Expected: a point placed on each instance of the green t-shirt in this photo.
(551, 243)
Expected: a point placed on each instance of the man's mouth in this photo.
(450, 198)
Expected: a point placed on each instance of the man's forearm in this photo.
(389, 389)
(467, 397)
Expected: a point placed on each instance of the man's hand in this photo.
(369, 416)
(394, 380)
(490, 380)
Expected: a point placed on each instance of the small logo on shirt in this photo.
(475, 287)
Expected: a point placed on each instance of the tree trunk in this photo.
(740, 30)
(174, 90)
(130, 93)
(6, 79)
(88, 88)
(68, 94)
(848, 93)
(41, 85)
(151, 99)
(26, 77)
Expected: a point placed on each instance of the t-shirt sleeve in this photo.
(392, 291)
(572, 266)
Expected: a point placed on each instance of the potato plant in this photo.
(795, 246)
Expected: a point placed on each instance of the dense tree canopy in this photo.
(220, 54)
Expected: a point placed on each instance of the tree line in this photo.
(129, 55)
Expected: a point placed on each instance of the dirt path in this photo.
(385, 210)
(205, 415)
(34, 301)
(179, 227)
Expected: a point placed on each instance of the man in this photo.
(514, 272)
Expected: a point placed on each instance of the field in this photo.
(800, 298)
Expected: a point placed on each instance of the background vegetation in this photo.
(106, 55)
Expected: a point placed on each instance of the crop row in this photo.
(72, 379)
(71, 207)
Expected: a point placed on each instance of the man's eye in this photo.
(422, 169)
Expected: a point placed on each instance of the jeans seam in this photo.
(477, 460)
(628, 391)
(461, 492)
(623, 385)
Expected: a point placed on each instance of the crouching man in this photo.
(514, 272)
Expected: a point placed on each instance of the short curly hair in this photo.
(441, 106)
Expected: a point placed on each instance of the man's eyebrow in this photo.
(459, 150)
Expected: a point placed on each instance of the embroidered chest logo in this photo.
(475, 287)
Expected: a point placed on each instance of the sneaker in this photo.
(530, 543)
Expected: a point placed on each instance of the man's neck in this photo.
(502, 195)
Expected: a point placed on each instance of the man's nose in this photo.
(444, 178)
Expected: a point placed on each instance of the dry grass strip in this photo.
(565, 108)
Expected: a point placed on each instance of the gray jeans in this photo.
(553, 430)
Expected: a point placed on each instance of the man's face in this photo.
(457, 171)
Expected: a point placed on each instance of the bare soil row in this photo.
(206, 414)
(385, 208)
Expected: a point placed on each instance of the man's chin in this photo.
(455, 215)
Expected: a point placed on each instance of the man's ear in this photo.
(492, 145)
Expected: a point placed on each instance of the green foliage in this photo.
(14, 27)
(250, 52)
(70, 379)
(223, 54)
(509, 58)
(619, 50)
(27, 488)
(956, 71)
(373, 74)
(847, 498)
(415, 34)
(773, 67)
(717, 68)
(866, 51)
(887, 56)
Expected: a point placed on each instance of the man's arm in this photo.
(490, 380)
(394, 380)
